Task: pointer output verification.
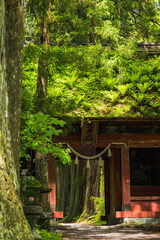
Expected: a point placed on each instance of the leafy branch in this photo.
(37, 135)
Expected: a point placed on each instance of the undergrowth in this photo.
(46, 235)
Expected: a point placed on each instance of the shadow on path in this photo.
(74, 231)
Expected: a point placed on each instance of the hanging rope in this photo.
(95, 156)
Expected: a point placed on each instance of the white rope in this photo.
(95, 156)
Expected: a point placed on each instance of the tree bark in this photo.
(41, 165)
(41, 168)
(13, 224)
(76, 197)
(92, 188)
(62, 187)
(42, 78)
(41, 85)
(75, 186)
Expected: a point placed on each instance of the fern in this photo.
(144, 87)
(123, 89)
(139, 97)
(119, 112)
(113, 96)
(70, 81)
(144, 78)
(135, 77)
(155, 104)
(157, 85)
(111, 82)
(143, 109)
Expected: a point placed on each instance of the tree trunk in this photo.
(76, 197)
(62, 187)
(75, 186)
(41, 166)
(92, 182)
(41, 163)
(41, 169)
(42, 78)
(13, 224)
(92, 188)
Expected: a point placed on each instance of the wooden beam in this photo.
(145, 190)
(145, 198)
(145, 214)
(138, 206)
(144, 141)
(135, 140)
(73, 139)
(105, 139)
(58, 214)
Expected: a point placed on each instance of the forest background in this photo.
(81, 60)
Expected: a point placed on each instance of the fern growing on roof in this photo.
(141, 98)
(113, 96)
(155, 104)
(123, 89)
(144, 87)
(109, 83)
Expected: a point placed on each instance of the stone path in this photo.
(90, 232)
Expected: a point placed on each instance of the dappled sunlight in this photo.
(91, 232)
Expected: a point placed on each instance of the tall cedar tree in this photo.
(13, 224)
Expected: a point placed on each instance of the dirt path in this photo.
(116, 232)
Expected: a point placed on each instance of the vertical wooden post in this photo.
(52, 182)
(117, 179)
(112, 185)
(125, 170)
(107, 185)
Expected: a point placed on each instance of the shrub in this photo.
(46, 235)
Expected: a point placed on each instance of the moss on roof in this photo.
(93, 81)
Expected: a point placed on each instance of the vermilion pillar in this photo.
(52, 183)
(125, 170)
(117, 179)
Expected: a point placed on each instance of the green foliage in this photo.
(95, 81)
(37, 135)
(29, 188)
(92, 79)
(92, 21)
(113, 96)
(139, 98)
(30, 182)
(144, 87)
(100, 211)
(123, 89)
(46, 235)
